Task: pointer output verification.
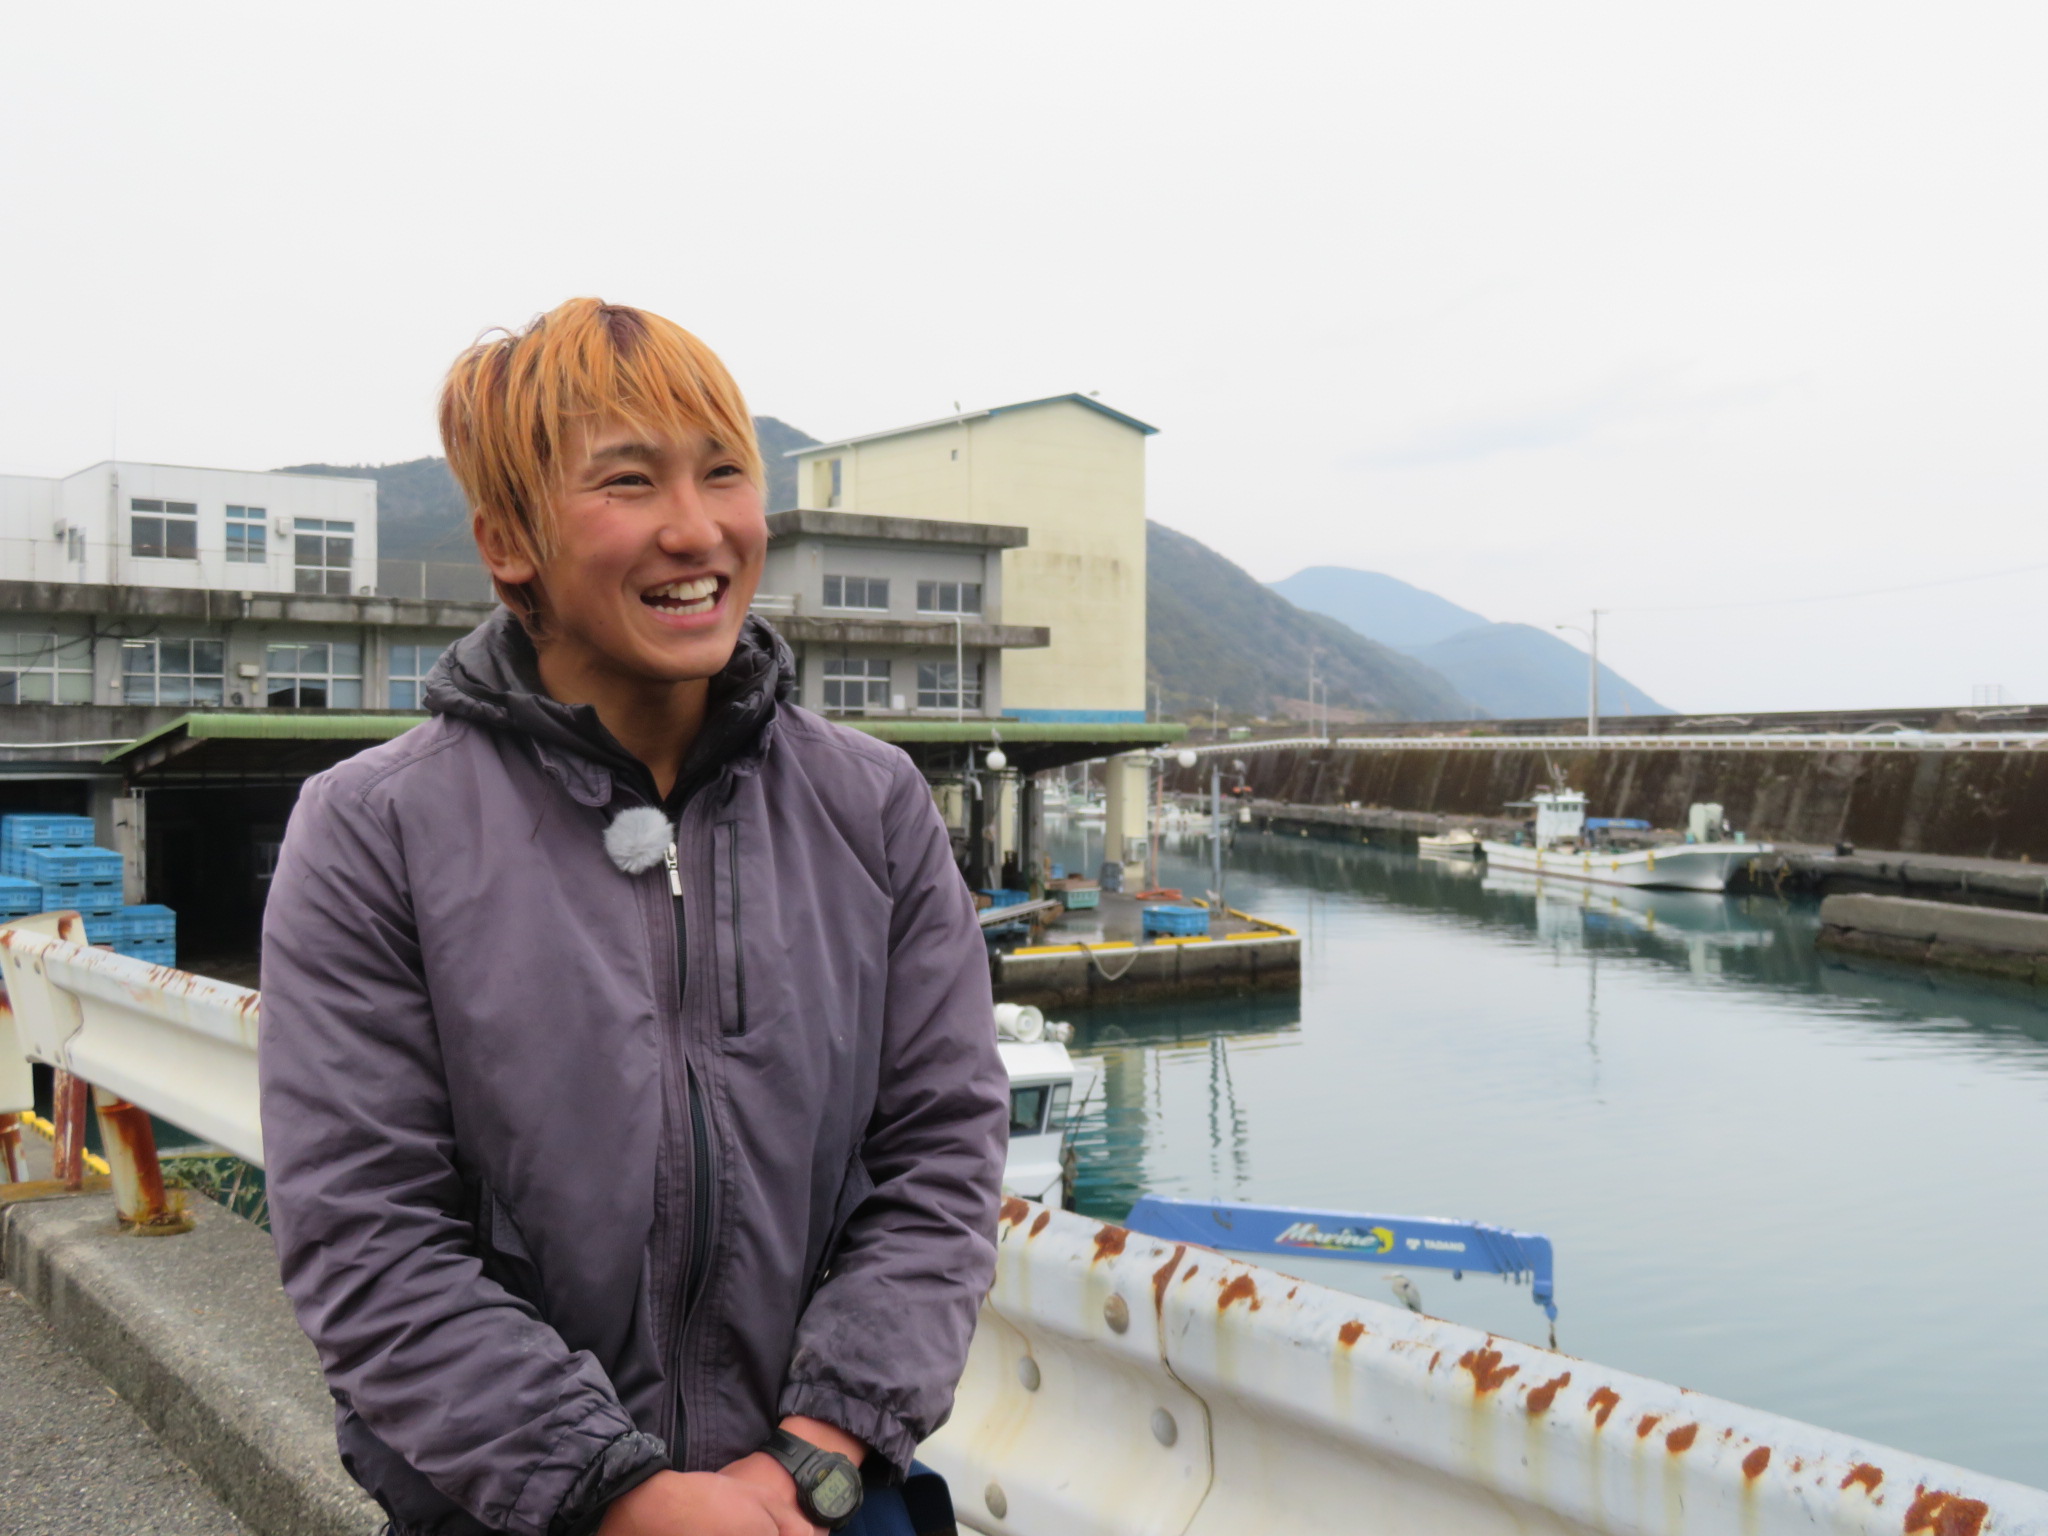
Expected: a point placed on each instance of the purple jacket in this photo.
(574, 1179)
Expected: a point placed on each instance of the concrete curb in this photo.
(195, 1333)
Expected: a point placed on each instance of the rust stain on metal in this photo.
(1602, 1403)
(141, 1200)
(1681, 1439)
(1433, 1359)
(1351, 1333)
(1540, 1398)
(1754, 1463)
(1038, 1226)
(1189, 1273)
(1109, 1241)
(1944, 1514)
(1291, 1290)
(1163, 1274)
(1648, 1422)
(1488, 1374)
(1863, 1472)
(1239, 1289)
(1014, 1210)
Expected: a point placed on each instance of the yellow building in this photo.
(1069, 469)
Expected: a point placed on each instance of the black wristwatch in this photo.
(828, 1486)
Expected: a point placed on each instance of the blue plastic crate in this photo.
(19, 898)
(1006, 898)
(1177, 922)
(23, 830)
(147, 920)
(103, 929)
(155, 951)
(50, 865)
(91, 898)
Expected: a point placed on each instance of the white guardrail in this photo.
(183, 1047)
(1906, 741)
(1120, 1386)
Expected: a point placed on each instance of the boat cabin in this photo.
(1560, 816)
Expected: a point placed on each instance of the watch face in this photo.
(837, 1494)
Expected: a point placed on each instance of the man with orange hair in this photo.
(631, 1102)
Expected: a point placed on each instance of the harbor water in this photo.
(1810, 1186)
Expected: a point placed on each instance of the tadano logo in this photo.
(1306, 1234)
(1434, 1245)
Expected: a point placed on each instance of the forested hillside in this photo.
(1214, 632)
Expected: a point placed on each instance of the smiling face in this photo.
(657, 550)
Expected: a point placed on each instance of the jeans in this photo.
(921, 1507)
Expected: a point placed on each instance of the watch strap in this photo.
(799, 1458)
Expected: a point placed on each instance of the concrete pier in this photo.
(1100, 958)
(2010, 945)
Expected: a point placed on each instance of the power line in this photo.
(1837, 597)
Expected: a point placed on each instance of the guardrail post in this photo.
(140, 1199)
(67, 1112)
(11, 1171)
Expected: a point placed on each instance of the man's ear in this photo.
(505, 563)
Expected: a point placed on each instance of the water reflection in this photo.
(1755, 1159)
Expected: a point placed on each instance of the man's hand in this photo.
(778, 1489)
(702, 1504)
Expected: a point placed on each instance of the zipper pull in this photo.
(675, 874)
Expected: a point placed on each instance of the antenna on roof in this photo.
(956, 407)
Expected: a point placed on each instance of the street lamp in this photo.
(1592, 669)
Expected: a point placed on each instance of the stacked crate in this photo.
(49, 864)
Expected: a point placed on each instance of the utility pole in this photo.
(1216, 831)
(1592, 669)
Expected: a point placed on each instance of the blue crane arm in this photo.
(1418, 1242)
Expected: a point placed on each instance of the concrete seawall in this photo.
(1990, 805)
(2011, 945)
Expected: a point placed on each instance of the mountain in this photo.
(1382, 608)
(421, 514)
(1213, 631)
(1516, 671)
(1512, 671)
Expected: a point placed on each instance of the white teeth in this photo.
(687, 591)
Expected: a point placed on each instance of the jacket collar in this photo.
(491, 677)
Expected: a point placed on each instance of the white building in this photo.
(168, 525)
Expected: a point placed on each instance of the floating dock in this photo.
(1101, 957)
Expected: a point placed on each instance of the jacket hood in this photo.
(491, 677)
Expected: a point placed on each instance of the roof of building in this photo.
(814, 523)
(965, 416)
(286, 745)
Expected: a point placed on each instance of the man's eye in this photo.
(724, 471)
(627, 479)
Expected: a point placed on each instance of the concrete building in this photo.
(134, 596)
(893, 615)
(1068, 470)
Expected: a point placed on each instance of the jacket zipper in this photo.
(699, 1242)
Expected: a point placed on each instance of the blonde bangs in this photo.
(512, 402)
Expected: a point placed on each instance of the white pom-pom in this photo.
(637, 839)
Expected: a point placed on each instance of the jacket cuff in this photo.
(881, 1432)
(619, 1468)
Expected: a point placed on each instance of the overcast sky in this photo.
(1542, 308)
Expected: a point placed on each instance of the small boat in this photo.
(1462, 844)
(1563, 850)
(1039, 1165)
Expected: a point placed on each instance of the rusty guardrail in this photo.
(1120, 1386)
(146, 1039)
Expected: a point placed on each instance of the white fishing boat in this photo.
(1461, 844)
(1562, 850)
(1042, 1102)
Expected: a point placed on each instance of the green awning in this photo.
(266, 746)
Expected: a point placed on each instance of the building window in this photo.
(938, 686)
(248, 535)
(163, 530)
(949, 597)
(867, 594)
(856, 684)
(44, 669)
(410, 665)
(74, 544)
(323, 556)
(326, 676)
(171, 671)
